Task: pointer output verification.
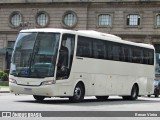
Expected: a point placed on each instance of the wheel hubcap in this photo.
(77, 93)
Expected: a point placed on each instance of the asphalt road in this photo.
(27, 103)
(10, 102)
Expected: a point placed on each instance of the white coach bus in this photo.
(67, 63)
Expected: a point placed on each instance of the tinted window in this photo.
(145, 57)
(110, 51)
(137, 55)
(151, 57)
(99, 50)
(84, 47)
(127, 53)
(65, 56)
(116, 52)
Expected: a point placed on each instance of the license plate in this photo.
(28, 89)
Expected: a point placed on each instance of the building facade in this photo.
(133, 20)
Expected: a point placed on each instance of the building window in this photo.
(69, 19)
(11, 44)
(42, 19)
(104, 20)
(15, 19)
(133, 20)
(158, 20)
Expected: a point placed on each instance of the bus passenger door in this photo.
(65, 57)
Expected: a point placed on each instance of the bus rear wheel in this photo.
(102, 98)
(134, 93)
(38, 98)
(78, 94)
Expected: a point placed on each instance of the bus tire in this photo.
(149, 95)
(78, 94)
(134, 93)
(38, 98)
(102, 98)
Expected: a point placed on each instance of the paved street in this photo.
(10, 102)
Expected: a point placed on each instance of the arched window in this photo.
(15, 19)
(69, 19)
(42, 19)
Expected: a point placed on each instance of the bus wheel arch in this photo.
(78, 93)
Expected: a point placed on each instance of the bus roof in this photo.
(91, 33)
(49, 30)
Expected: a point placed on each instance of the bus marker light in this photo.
(47, 82)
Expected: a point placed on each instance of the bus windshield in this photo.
(35, 54)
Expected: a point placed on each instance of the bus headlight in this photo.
(11, 80)
(47, 82)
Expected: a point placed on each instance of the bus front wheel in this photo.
(134, 94)
(78, 94)
(38, 98)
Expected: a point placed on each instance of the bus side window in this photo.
(110, 52)
(137, 55)
(65, 56)
(151, 57)
(84, 47)
(124, 54)
(145, 57)
(116, 52)
(99, 49)
(126, 51)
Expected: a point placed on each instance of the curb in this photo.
(4, 91)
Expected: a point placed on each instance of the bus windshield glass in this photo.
(35, 55)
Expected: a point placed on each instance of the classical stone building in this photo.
(133, 20)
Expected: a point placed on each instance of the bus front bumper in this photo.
(44, 90)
